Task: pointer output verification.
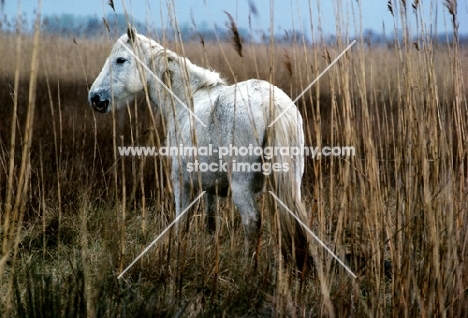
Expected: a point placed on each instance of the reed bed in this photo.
(74, 214)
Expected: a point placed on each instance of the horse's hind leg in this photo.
(245, 202)
(211, 217)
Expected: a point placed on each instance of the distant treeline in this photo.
(116, 24)
(69, 25)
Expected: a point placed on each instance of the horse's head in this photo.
(121, 77)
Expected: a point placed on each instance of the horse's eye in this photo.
(120, 60)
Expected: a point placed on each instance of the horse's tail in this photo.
(287, 135)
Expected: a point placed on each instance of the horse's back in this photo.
(239, 114)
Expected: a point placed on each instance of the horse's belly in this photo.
(216, 177)
(213, 182)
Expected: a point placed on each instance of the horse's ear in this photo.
(131, 33)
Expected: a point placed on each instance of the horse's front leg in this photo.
(181, 197)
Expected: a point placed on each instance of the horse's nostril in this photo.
(95, 99)
(98, 104)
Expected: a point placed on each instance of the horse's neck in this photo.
(184, 80)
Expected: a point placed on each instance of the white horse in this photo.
(235, 116)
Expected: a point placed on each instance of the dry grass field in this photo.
(74, 214)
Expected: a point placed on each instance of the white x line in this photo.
(160, 235)
(310, 85)
(313, 235)
(196, 117)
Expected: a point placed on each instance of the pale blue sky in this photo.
(287, 13)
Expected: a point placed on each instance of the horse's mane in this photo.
(200, 77)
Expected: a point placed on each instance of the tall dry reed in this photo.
(75, 213)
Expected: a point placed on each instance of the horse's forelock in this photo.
(142, 41)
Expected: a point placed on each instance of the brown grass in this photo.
(396, 212)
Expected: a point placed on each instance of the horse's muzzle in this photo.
(98, 104)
